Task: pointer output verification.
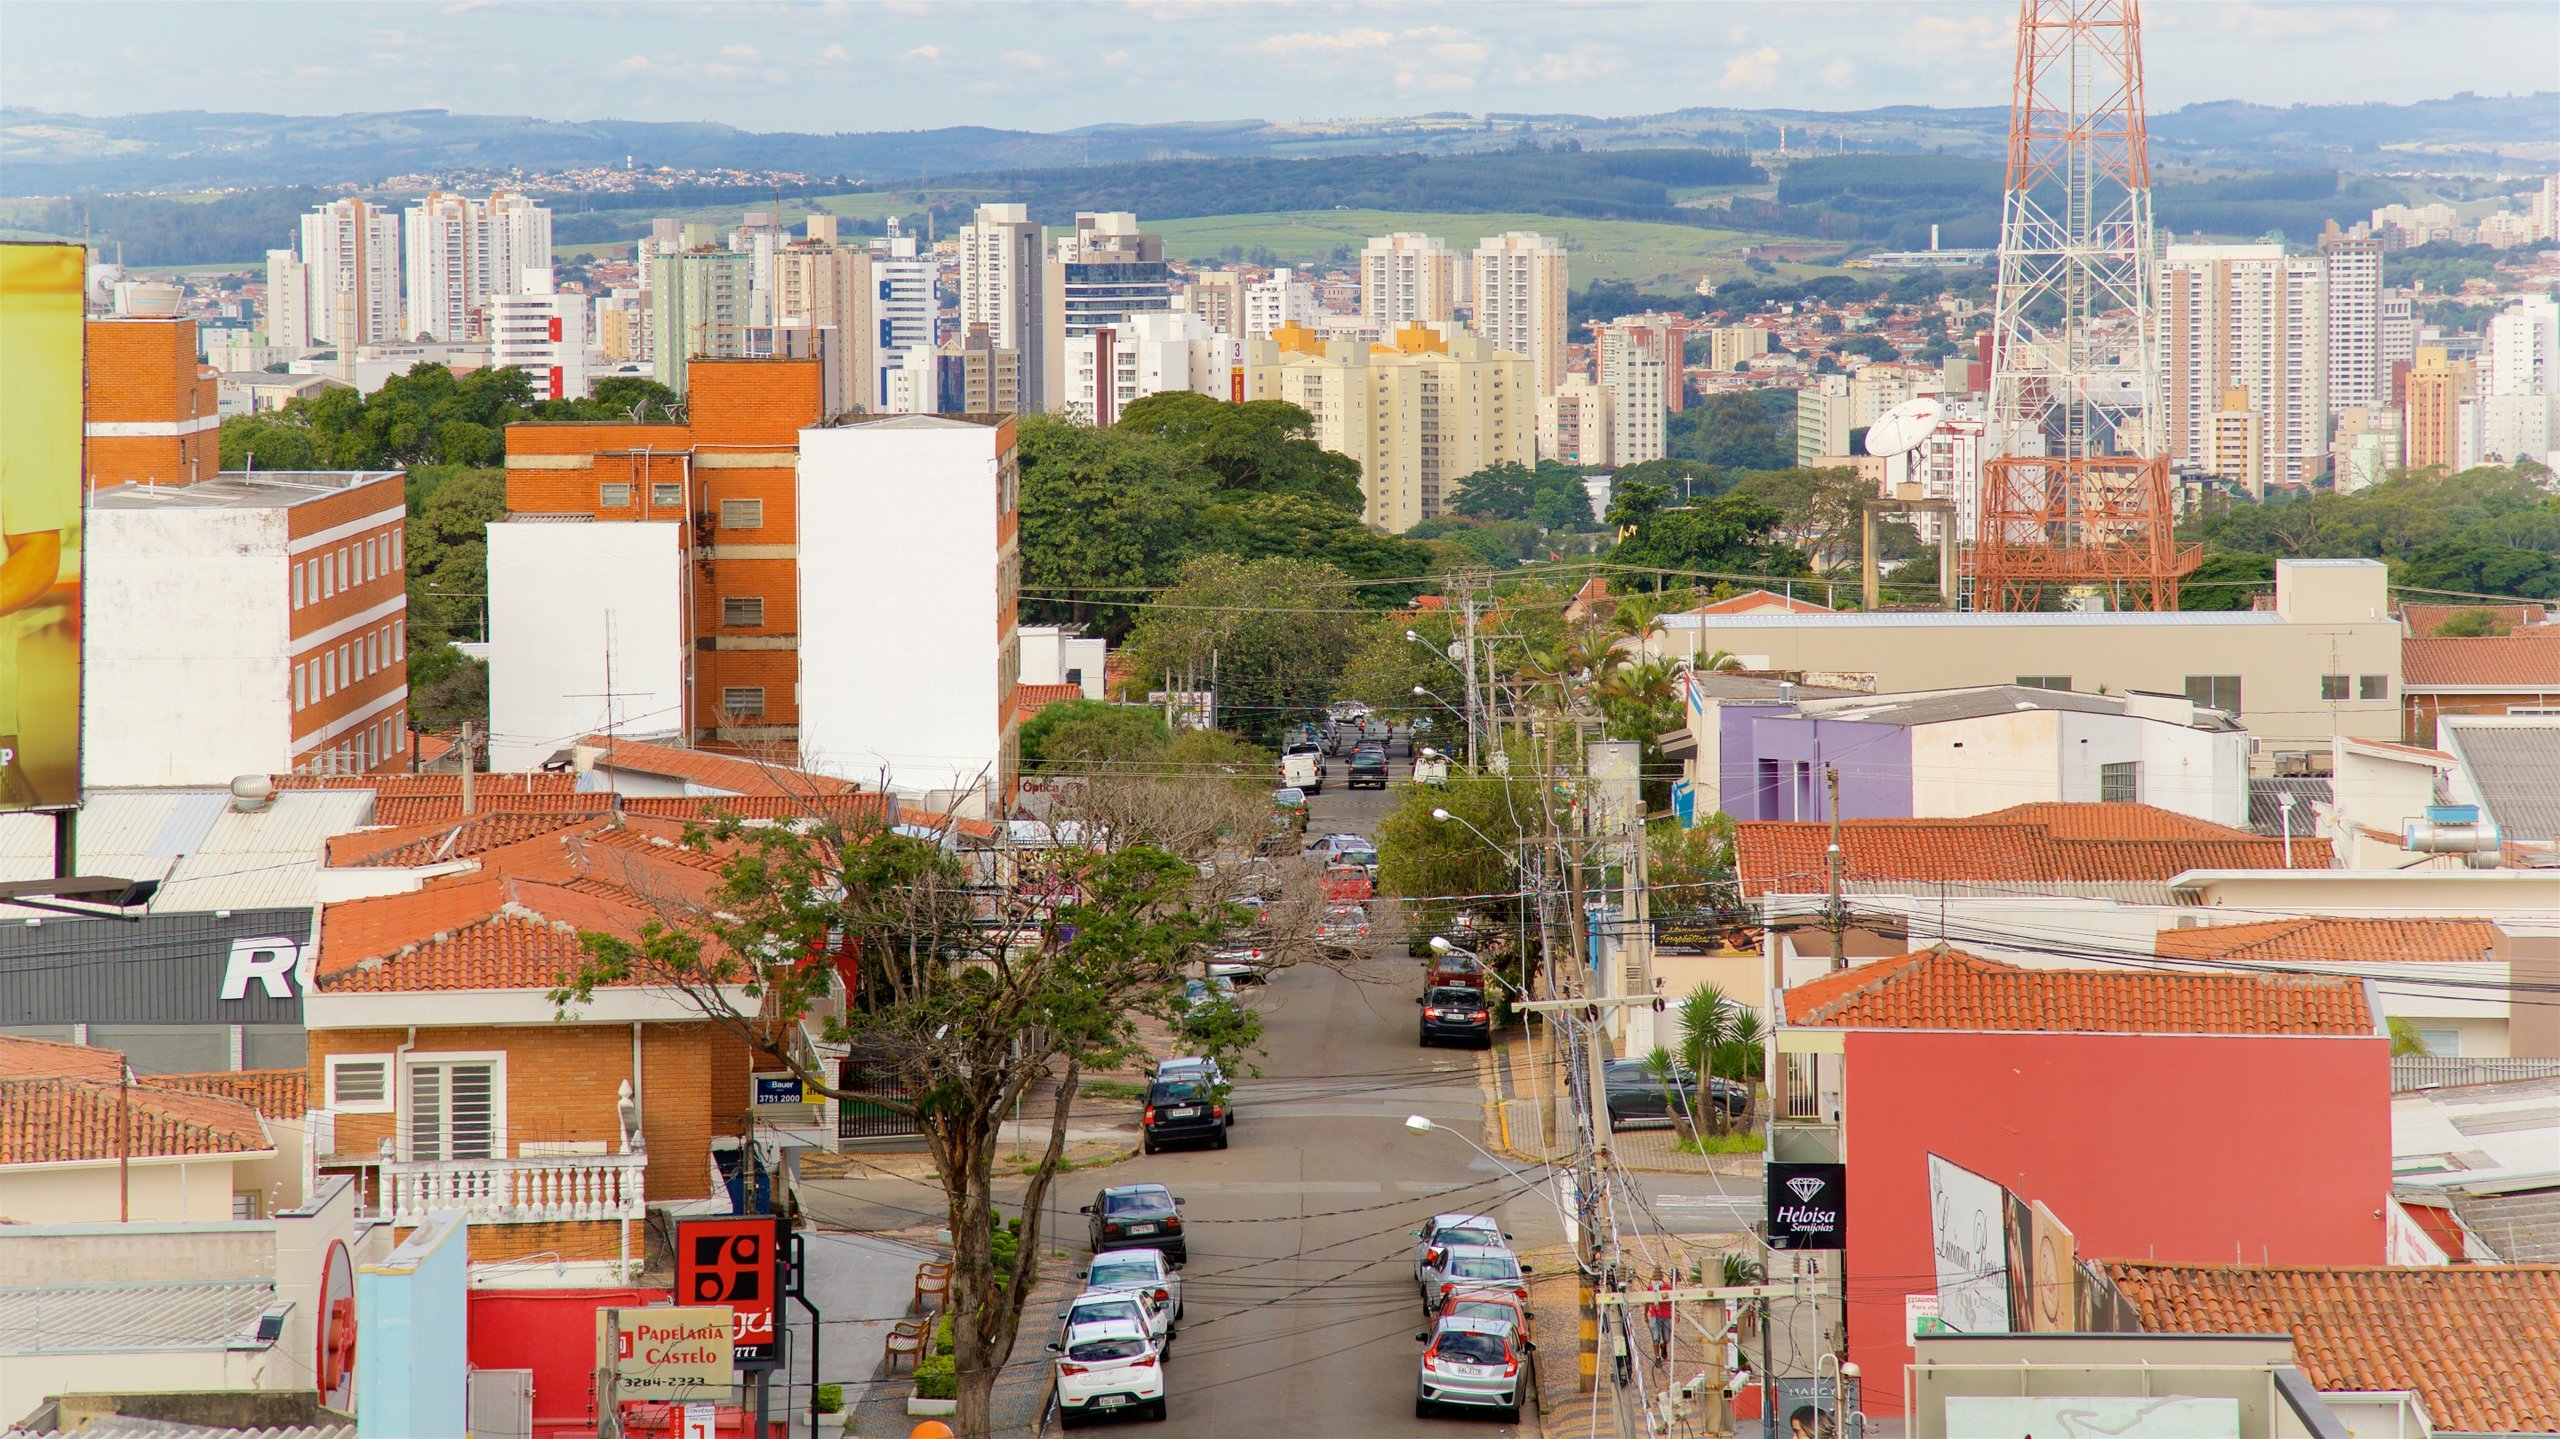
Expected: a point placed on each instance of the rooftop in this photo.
(67, 1103)
(2318, 939)
(2478, 1138)
(213, 856)
(2512, 762)
(239, 490)
(1948, 989)
(1969, 619)
(712, 772)
(2475, 1341)
(1917, 707)
(2526, 661)
(120, 1318)
(2028, 845)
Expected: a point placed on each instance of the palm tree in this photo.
(1718, 662)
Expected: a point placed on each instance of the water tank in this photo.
(150, 299)
(2453, 829)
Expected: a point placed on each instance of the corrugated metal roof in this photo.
(2515, 766)
(119, 1318)
(224, 859)
(1916, 707)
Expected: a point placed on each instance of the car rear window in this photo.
(1180, 1091)
(1494, 1310)
(1453, 995)
(1470, 1236)
(1469, 1348)
(1482, 1266)
(1145, 1201)
(1093, 1351)
(1103, 1311)
(1123, 1271)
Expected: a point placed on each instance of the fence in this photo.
(2428, 1072)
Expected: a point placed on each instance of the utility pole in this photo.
(1836, 916)
(469, 764)
(1468, 608)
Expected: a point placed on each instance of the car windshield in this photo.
(1100, 1311)
(1092, 1351)
(1361, 857)
(1178, 1091)
(1121, 1271)
(1482, 1266)
(1493, 1309)
(1452, 995)
(1472, 1234)
(1464, 1347)
(1346, 916)
(1137, 1201)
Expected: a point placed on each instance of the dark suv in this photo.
(1181, 1111)
(1637, 1095)
(1137, 1216)
(1449, 1012)
(1368, 766)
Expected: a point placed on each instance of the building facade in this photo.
(1003, 286)
(542, 333)
(2357, 375)
(2255, 318)
(1419, 414)
(288, 317)
(2440, 412)
(1575, 424)
(1283, 299)
(1102, 275)
(1407, 279)
(152, 414)
(698, 310)
(352, 251)
(1520, 288)
(828, 289)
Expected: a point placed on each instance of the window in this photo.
(394, 542)
(2045, 682)
(613, 497)
(346, 665)
(667, 494)
(328, 577)
(301, 575)
(346, 568)
(2120, 783)
(2441, 1043)
(2333, 687)
(744, 701)
(399, 635)
(2373, 687)
(2219, 692)
(455, 1111)
(742, 514)
(372, 562)
(360, 1083)
(329, 672)
(742, 612)
(301, 686)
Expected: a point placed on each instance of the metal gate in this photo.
(872, 1073)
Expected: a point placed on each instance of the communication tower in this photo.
(2077, 492)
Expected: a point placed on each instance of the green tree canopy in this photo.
(1265, 446)
(1550, 496)
(1270, 635)
(1732, 535)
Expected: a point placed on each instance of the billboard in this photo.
(42, 356)
(736, 1262)
(1968, 1233)
(665, 1354)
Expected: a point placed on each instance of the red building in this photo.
(2182, 1117)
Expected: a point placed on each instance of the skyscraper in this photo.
(1003, 281)
(903, 307)
(2255, 318)
(1283, 299)
(1217, 297)
(1407, 279)
(1419, 413)
(352, 249)
(1101, 275)
(462, 253)
(698, 305)
(2440, 397)
(2357, 375)
(1520, 287)
(288, 301)
(826, 287)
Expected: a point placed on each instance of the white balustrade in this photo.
(516, 1191)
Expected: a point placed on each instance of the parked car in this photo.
(1452, 1013)
(1368, 767)
(1464, 1268)
(1198, 994)
(1143, 1272)
(1437, 1233)
(1636, 1095)
(1303, 770)
(1359, 849)
(1102, 1306)
(1486, 1304)
(1455, 969)
(1137, 1216)
(1343, 925)
(1108, 1368)
(1183, 1111)
(1474, 1363)
(1238, 964)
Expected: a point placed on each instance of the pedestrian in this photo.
(1618, 1349)
(1658, 1316)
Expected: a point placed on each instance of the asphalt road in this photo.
(1301, 1307)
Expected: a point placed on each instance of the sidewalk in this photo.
(1523, 1080)
(1022, 1389)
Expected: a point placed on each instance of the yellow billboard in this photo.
(41, 363)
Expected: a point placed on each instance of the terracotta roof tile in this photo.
(506, 934)
(870, 805)
(1949, 989)
(2420, 621)
(415, 809)
(2394, 747)
(2329, 940)
(275, 1093)
(2528, 660)
(2025, 845)
(2480, 1343)
(63, 1120)
(1029, 700)
(50, 1059)
(441, 840)
(1758, 601)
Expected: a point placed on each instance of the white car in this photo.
(1144, 1273)
(1109, 1367)
(1097, 1305)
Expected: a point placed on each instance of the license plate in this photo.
(1142, 1229)
(1187, 1111)
(1112, 1401)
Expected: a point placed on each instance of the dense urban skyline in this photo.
(1048, 67)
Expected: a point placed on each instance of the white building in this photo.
(903, 307)
(909, 522)
(1148, 355)
(2357, 377)
(1003, 284)
(2254, 318)
(543, 334)
(1520, 288)
(462, 253)
(2520, 355)
(288, 319)
(758, 238)
(1283, 299)
(586, 634)
(1052, 655)
(1639, 386)
(910, 382)
(352, 253)
(1574, 423)
(1407, 279)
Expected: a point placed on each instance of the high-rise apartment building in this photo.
(1003, 286)
(352, 251)
(1638, 384)
(2357, 375)
(2520, 353)
(1730, 347)
(1574, 424)
(288, 320)
(1101, 275)
(1663, 336)
(542, 333)
(1520, 288)
(462, 253)
(2253, 317)
(698, 310)
(1283, 299)
(2395, 341)
(903, 307)
(2366, 449)
(827, 289)
(758, 237)
(1825, 413)
(1217, 297)
(1420, 413)
(2440, 397)
(973, 375)
(1116, 366)
(1407, 279)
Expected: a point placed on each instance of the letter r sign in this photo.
(270, 961)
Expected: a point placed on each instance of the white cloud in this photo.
(923, 54)
(1415, 82)
(1024, 60)
(631, 64)
(1115, 58)
(1936, 34)
(742, 52)
(1309, 43)
(834, 53)
(1839, 74)
(2304, 22)
(1570, 66)
(1755, 71)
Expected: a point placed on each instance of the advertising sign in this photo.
(666, 1354)
(780, 1087)
(2118, 1416)
(1968, 1234)
(2053, 1275)
(1808, 1206)
(735, 1262)
(1810, 1408)
(42, 356)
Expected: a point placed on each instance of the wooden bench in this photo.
(933, 1286)
(907, 1337)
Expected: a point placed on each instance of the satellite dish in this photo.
(1905, 426)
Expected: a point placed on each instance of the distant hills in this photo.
(54, 154)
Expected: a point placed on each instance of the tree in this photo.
(1104, 515)
(1818, 508)
(1743, 430)
(1551, 496)
(1271, 636)
(1081, 733)
(1732, 535)
(2478, 622)
(1264, 446)
(2227, 582)
(1435, 861)
(1284, 526)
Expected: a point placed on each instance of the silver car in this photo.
(1443, 1230)
(1144, 1273)
(1471, 1362)
(1474, 1266)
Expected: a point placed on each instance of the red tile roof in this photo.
(1029, 700)
(51, 1059)
(441, 840)
(871, 806)
(496, 934)
(2526, 661)
(2394, 747)
(730, 774)
(2025, 845)
(275, 1093)
(1948, 989)
(2420, 621)
(63, 1103)
(2324, 939)
(2480, 1343)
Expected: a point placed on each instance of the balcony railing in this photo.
(517, 1191)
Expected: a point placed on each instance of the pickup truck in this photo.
(1368, 768)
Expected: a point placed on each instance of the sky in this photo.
(1059, 64)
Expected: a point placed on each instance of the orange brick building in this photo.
(151, 407)
(727, 471)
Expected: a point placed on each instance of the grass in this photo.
(1115, 1089)
(1649, 254)
(1749, 1142)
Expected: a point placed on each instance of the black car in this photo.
(1368, 767)
(1452, 1012)
(1137, 1216)
(1181, 1111)
(1637, 1095)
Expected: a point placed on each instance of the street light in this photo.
(1421, 1124)
(1445, 817)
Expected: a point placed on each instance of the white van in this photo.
(1304, 770)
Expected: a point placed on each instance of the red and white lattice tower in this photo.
(2077, 492)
